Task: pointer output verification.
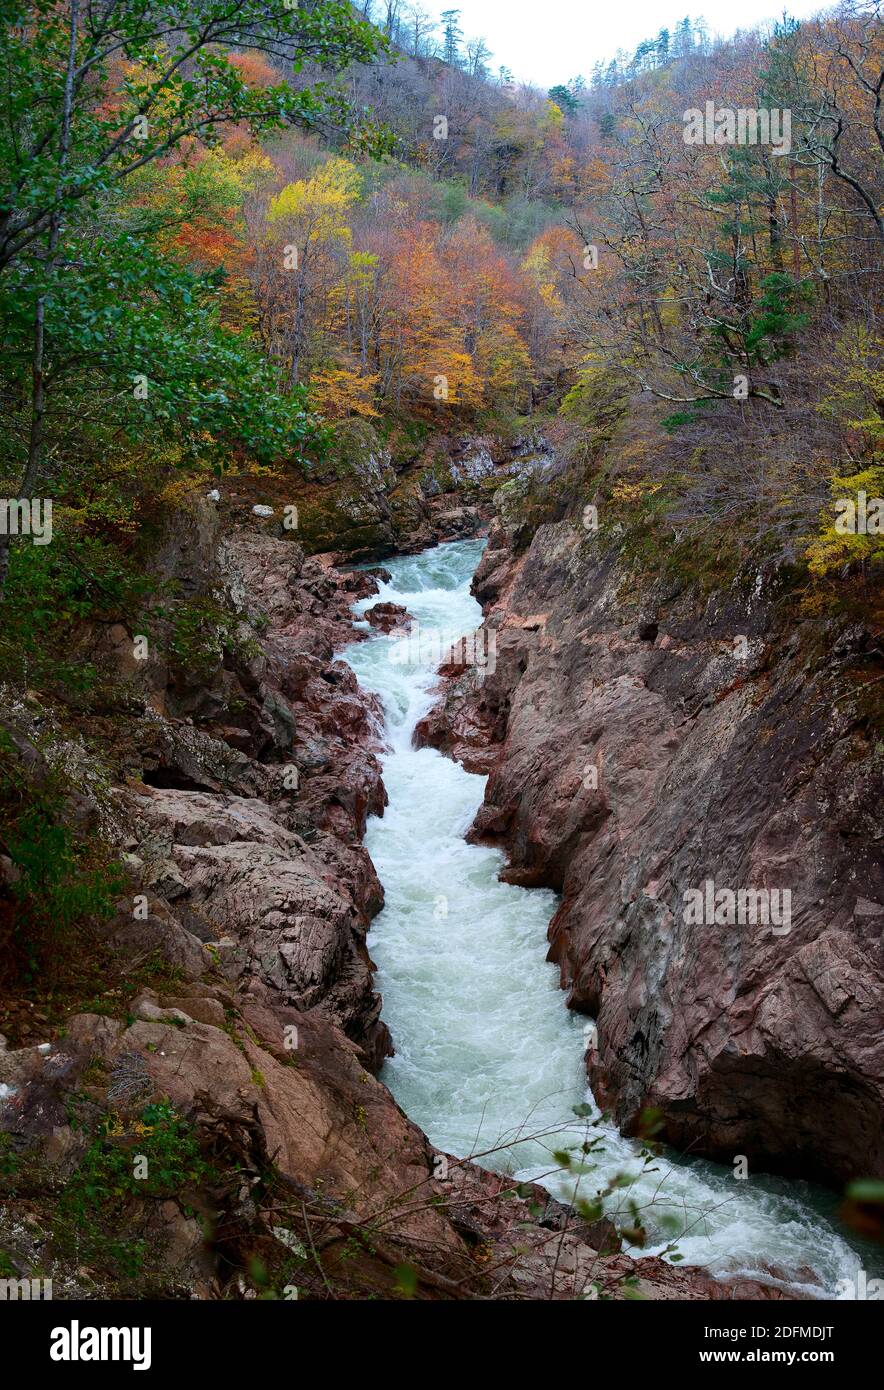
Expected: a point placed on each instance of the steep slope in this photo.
(207, 1123)
(641, 740)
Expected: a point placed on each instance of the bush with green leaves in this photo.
(61, 884)
(151, 1159)
(53, 588)
(201, 633)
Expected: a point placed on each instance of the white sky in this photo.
(549, 41)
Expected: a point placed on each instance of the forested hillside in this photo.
(235, 233)
(291, 288)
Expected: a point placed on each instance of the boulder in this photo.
(386, 617)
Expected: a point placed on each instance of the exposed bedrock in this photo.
(642, 742)
(234, 787)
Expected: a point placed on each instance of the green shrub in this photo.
(50, 589)
(201, 633)
(97, 1199)
(62, 884)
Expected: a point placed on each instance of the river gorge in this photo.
(397, 943)
(488, 1061)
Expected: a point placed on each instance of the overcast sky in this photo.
(549, 41)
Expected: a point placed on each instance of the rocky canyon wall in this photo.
(648, 747)
(227, 1002)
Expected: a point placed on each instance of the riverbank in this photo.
(220, 1021)
(487, 1056)
(232, 984)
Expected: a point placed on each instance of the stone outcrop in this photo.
(386, 616)
(241, 820)
(642, 740)
(267, 904)
(234, 789)
(372, 497)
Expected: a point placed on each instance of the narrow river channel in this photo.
(488, 1059)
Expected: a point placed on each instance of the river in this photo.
(489, 1061)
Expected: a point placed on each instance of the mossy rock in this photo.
(438, 474)
(357, 455)
(408, 506)
(346, 518)
(523, 504)
(405, 440)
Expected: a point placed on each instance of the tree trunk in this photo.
(38, 374)
(793, 221)
(297, 333)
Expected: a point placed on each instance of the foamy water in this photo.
(489, 1062)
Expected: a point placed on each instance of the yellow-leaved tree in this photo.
(852, 528)
(310, 238)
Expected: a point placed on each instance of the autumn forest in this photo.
(329, 219)
(326, 275)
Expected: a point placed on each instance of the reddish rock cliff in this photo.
(641, 741)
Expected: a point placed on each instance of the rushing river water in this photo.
(487, 1056)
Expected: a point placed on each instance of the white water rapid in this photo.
(486, 1052)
